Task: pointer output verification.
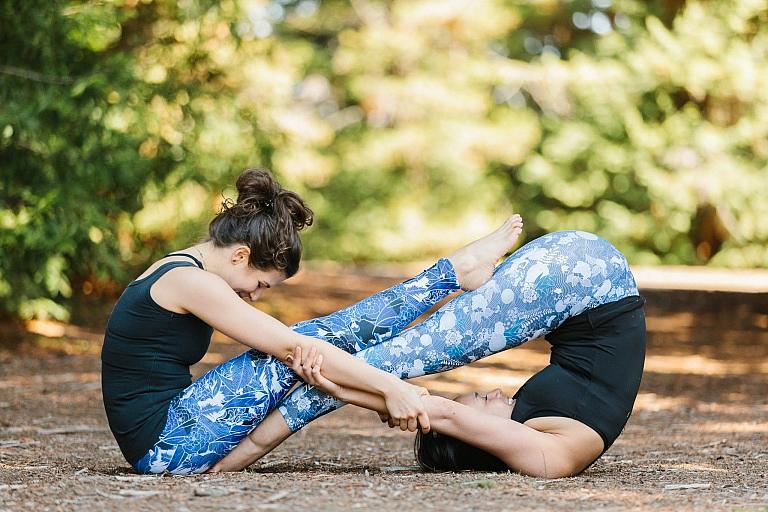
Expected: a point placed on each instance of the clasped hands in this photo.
(404, 405)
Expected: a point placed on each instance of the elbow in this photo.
(285, 357)
(548, 473)
(543, 460)
(287, 351)
(548, 466)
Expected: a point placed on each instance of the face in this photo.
(249, 282)
(493, 402)
(256, 281)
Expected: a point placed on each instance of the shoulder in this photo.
(190, 278)
(197, 291)
(180, 287)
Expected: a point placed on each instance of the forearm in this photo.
(349, 371)
(361, 399)
(268, 435)
(275, 338)
(437, 407)
(259, 442)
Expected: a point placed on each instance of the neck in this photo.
(208, 254)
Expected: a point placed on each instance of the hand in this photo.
(309, 371)
(386, 418)
(406, 408)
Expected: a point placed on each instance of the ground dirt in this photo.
(698, 438)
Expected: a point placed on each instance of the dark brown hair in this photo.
(439, 452)
(266, 218)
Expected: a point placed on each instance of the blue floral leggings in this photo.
(531, 293)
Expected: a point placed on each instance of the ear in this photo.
(241, 254)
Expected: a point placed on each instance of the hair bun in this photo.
(256, 186)
(267, 218)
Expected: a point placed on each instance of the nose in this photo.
(496, 393)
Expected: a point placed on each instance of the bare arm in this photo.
(260, 441)
(522, 448)
(208, 297)
(311, 371)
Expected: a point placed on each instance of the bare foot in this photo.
(474, 263)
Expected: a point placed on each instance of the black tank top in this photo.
(145, 360)
(594, 372)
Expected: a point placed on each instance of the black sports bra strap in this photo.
(197, 261)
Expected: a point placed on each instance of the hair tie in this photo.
(247, 207)
(227, 204)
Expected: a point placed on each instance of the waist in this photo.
(186, 350)
(126, 377)
(611, 335)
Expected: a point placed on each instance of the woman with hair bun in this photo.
(163, 321)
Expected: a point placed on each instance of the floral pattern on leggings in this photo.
(211, 416)
(531, 293)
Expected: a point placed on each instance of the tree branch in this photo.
(35, 76)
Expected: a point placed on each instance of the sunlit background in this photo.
(409, 126)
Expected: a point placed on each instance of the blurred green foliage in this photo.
(410, 126)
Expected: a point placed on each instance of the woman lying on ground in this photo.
(572, 287)
(163, 321)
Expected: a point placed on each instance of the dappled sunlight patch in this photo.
(450, 389)
(54, 329)
(49, 378)
(692, 467)
(671, 323)
(519, 358)
(701, 365)
(63, 346)
(47, 328)
(652, 402)
(732, 405)
(725, 426)
(701, 278)
(45, 338)
(467, 378)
